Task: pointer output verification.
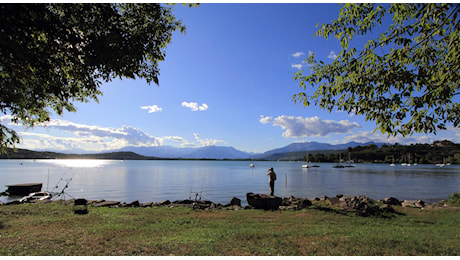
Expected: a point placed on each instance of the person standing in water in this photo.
(271, 180)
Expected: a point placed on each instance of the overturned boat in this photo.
(23, 189)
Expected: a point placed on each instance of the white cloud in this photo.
(189, 145)
(296, 66)
(194, 106)
(332, 55)
(206, 141)
(297, 127)
(137, 137)
(86, 137)
(66, 136)
(265, 119)
(152, 109)
(175, 138)
(297, 54)
(85, 130)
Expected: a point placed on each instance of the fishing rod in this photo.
(196, 193)
(63, 193)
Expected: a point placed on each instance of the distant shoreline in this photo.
(34, 155)
(24, 154)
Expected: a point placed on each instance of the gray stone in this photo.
(146, 205)
(107, 204)
(413, 203)
(165, 202)
(235, 201)
(134, 204)
(420, 203)
(334, 201)
(391, 201)
(387, 208)
(305, 203)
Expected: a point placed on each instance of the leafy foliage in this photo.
(438, 152)
(454, 199)
(406, 80)
(52, 55)
(435, 153)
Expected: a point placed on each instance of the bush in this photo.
(454, 199)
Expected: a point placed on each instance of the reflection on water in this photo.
(77, 163)
(219, 181)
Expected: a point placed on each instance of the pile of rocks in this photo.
(405, 203)
(360, 204)
(235, 203)
(364, 206)
(293, 203)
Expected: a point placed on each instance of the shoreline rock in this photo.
(359, 204)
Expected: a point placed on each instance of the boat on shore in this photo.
(36, 196)
(23, 189)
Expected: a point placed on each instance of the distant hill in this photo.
(206, 152)
(28, 154)
(158, 151)
(280, 153)
(298, 156)
(218, 152)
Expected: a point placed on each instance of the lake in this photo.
(219, 181)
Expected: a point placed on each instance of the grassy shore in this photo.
(53, 229)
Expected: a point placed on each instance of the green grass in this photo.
(53, 229)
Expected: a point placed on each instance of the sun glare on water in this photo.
(79, 163)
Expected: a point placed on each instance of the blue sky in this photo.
(228, 81)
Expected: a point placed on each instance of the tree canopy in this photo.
(52, 55)
(406, 80)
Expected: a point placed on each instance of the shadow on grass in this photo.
(381, 213)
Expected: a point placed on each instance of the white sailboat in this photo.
(393, 161)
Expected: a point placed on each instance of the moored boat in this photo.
(24, 188)
(309, 165)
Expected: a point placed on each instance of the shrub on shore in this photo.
(454, 199)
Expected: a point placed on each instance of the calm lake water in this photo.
(219, 181)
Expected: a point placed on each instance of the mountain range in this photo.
(207, 152)
(228, 152)
(313, 146)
